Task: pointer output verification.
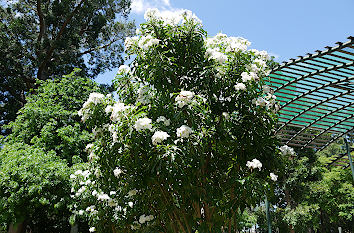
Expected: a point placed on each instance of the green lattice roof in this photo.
(316, 96)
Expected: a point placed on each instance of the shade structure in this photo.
(316, 96)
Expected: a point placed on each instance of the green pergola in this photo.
(316, 97)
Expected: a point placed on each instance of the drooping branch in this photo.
(60, 33)
(99, 47)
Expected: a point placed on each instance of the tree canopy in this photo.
(47, 140)
(46, 39)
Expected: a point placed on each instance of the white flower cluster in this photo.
(117, 110)
(144, 96)
(117, 171)
(142, 219)
(268, 101)
(94, 99)
(184, 131)
(163, 119)
(262, 54)
(231, 44)
(124, 69)
(140, 42)
(171, 18)
(143, 123)
(240, 87)
(286, 150)
(145, 42)
(184, 98)
(159, 137)
(215, 54)
(255, 163)
(246, 77)
(273, 177)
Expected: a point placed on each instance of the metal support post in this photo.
(268, 215)
(349, 155)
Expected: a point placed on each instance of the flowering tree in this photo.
(189, 144)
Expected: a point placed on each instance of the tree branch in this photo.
(98, 48)
(41, 21)
(61, 31)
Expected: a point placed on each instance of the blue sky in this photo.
(284, 28)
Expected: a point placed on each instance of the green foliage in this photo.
(313, 195)
(47, 138)
(50, 120)
(34, 185)
(47, 39)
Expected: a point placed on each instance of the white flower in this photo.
(130, 42)
(117, 109)
(146, 42)
(90, 208)
(184, 98)
(86, 174)
(94, 193)
(81, 212)
(111, 203)
(143, 123)
(273, 177)
(143, 218)
(135, 226)
(226, 115)
(81, 190)
(72, 176)
(108, 109)
(261, 102)
(216, 55)
(158, 137)
(163, 119)
(240, 86)
(219, 57)
(112, 193)
(130, 204)
(117, 171)
(246, 77)
(124, 69)
(260, 62)
(236, 44)
(92, 229)
(103, 197)
(144, 96)
(255, 163)
(266, 89)
(132, 192)
(95, 98)
(184, 131)
(286, 150)
(151, 14)
(149, 217)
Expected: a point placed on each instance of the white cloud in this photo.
(140, 6)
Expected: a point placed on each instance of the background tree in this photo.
(47, 140)
(313, 197)
(42, 39)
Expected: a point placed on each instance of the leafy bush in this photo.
(47, 138)
(33, 187)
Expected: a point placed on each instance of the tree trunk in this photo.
(18, 228)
